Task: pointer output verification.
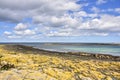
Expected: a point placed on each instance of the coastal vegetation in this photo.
(24, 63)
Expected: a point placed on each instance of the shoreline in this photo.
(108, 52)
(60, 43)
(25, 62)
(98, 56)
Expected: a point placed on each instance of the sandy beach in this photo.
(18, 62)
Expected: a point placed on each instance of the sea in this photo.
(95, 48)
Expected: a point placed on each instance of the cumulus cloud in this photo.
(95, 9)
(109, 22)
(102, 26)
(11, 15)
(54, 21)
(26, 32)
(20, 30)
(33, 4)
(106, 22)
(20, 26)
(80, 14)
(23, 29)
(17, 9)
(7, 33)
(67, 26)
(57, 18)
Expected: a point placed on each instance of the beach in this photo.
(18, 62)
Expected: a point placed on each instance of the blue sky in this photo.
(60, 21)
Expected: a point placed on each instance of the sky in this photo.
(60, 21)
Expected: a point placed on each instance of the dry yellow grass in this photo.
(44, 67)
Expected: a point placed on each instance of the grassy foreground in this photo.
(31, 64)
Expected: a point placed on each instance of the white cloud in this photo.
(101, 1)
(106, 22)
(58, 34)
(21, 30)
(95, 9)
(105, 11)
(68, 26)
(14, 37)
(17, 9)
(29, 32)
(11, 15)
(25, 32)
(43, 4)
(100, 34)
(110, 22)
(7, 33)
(54, 21)
(21, 26)
(80, 14)
(51, 18)
(117, 10)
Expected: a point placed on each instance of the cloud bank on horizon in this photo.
(51, 20)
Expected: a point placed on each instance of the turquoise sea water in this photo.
(79, 47)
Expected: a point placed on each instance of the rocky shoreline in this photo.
(18, 62)
(21, 48)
